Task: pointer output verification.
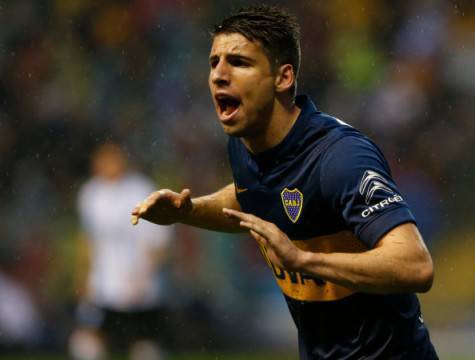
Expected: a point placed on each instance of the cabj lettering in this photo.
(295, 277)
(278, 272)
(318, 282)
(292, 203)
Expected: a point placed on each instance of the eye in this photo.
(213, 63)
(238, 62)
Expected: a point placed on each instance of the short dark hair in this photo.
(274, 27)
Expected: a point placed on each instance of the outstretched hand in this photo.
(163, 207)
(279, 248)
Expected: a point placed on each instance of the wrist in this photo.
(301, 260)
(307, 260)
(188, 212)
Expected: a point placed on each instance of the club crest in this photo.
(293, 203)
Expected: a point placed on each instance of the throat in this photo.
(273, 132)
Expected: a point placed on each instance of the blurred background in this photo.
(76, 73)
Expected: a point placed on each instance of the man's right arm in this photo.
(167, 207)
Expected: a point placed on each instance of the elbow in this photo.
(425, 277)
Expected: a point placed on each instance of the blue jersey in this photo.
(329, 188)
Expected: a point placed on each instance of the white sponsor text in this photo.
(381, 205)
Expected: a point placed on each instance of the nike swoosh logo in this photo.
(240, 190)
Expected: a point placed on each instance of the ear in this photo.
(285, 78)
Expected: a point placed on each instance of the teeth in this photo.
(227, 104)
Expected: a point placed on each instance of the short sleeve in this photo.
(356, 183)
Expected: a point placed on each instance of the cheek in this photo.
(210, 83)
(262, 92)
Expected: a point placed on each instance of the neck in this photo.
(282, 117)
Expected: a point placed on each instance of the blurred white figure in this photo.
(122, 304)
(19, 318)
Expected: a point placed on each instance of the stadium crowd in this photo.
(76, 73)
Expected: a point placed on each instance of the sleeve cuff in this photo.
(372, 232)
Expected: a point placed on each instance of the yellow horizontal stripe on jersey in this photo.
(301, 286)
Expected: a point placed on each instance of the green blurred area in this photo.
(182, 356)
(450, 303)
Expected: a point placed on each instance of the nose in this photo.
(220, 74)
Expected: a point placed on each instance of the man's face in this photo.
(242, 84)
(109, 162)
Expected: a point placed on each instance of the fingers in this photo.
(239, 215)
(164, 199)
(262, 229)
(260, 239)
(141, 208)
(251, 222)
(136, 209)
(135, 214)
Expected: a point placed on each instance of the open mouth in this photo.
(227, 105)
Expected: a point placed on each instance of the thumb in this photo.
(186, 194)
(183, 197)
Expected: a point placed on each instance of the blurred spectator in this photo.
(20, 324)
(122, 304)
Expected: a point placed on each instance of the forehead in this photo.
(235, 43)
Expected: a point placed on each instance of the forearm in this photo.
(373, 271)
(207, 211)
(400, 261)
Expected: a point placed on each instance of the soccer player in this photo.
(316, 194)
(122, 307)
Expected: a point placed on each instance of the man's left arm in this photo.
(399, 262)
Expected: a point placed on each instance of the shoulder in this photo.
(326, 130)
(89, 187)
(88, 194)
(346, 161)
(352, 151)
